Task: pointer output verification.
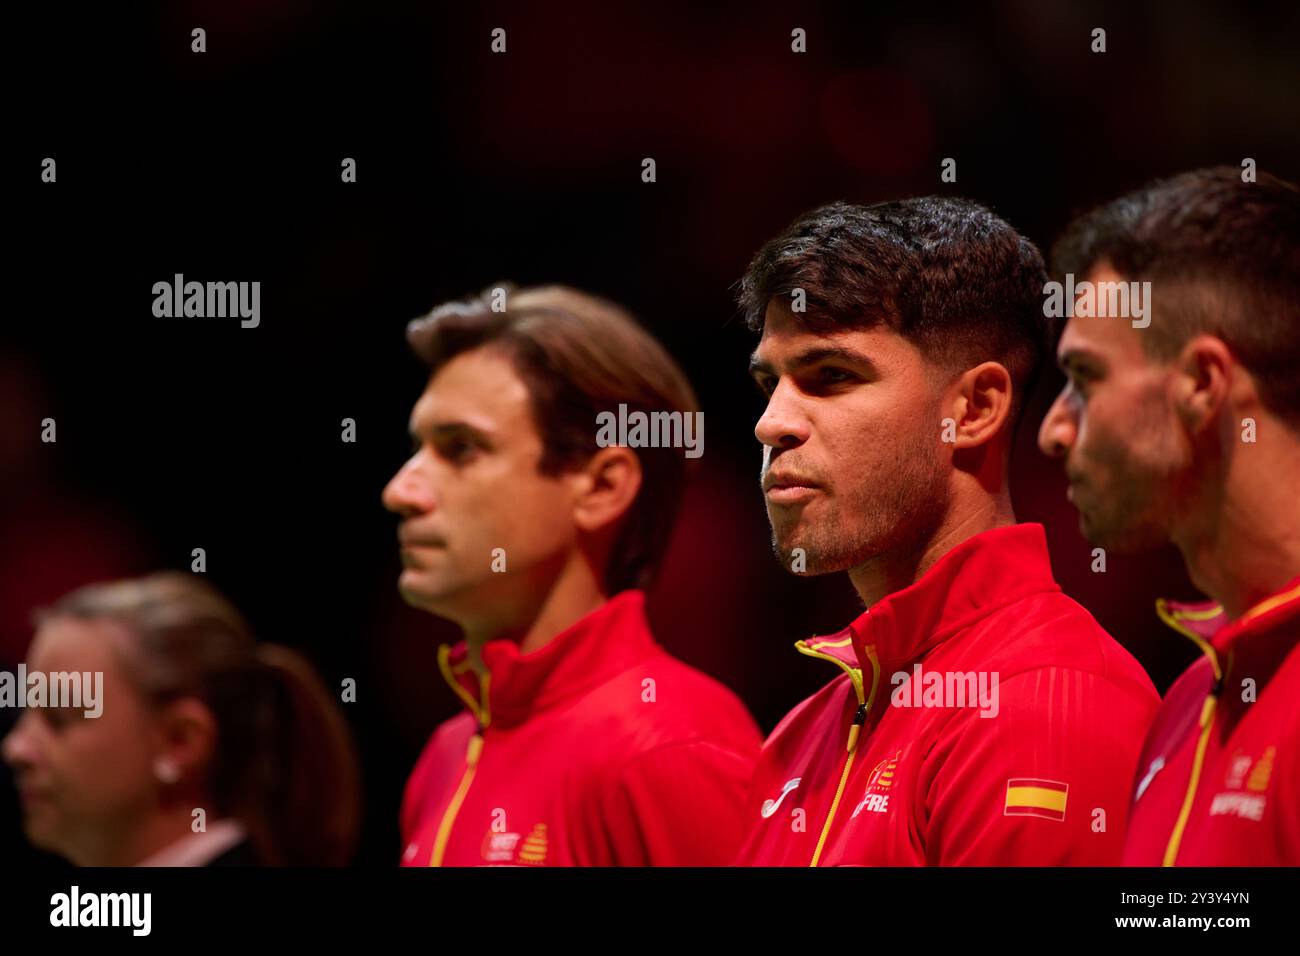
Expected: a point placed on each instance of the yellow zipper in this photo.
(1207, 724)
(855, 729)
(449, 815)
(1207, 720)
(481, 711)
(844, 779)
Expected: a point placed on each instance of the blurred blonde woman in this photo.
(196, 716)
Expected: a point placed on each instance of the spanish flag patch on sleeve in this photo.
(1031, 797)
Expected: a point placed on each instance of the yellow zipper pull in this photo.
(1207, 710)
(859, 719)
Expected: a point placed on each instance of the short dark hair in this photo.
(1227, 255)
(579, 355)
(946, 274)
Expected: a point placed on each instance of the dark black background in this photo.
(475, 167)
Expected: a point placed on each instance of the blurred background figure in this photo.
(211, 749)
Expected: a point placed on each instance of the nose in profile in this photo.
(17, 748)
(782, 424)
(1057, 433)
(408, 492)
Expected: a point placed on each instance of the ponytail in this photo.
(301, 804)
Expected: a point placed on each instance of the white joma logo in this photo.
(1156, 766)
(770, 806)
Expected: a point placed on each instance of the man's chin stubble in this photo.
(813, 561)
(1118, 539)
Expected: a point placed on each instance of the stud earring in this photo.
(165, 769)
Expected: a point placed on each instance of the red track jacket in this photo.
(895, 763)
(599, 749)
(1219, 779)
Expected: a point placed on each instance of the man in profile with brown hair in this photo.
(582, 742)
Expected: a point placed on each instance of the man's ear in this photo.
(979, 404)
(1204, 374)
(606, 487)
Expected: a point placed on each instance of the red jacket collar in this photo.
(978, 576)
(1206, 623)
(610, 639)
